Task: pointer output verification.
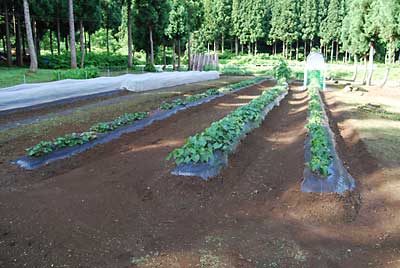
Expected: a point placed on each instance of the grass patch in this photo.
(375, 117)
(14, 76)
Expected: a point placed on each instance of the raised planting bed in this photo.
(63, 147)
(206, 153)
(324, 171)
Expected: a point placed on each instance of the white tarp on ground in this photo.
(27, 95)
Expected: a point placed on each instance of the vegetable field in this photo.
(237, 172)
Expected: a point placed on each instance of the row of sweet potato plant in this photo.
(321, 155)
(76, 139)
(223, 135)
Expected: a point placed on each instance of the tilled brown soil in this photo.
(118, 205)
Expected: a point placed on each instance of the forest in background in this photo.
(356, 30)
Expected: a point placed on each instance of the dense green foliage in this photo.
(223, 134)
(69, 140)
(84, 73)
(100, 60)
(321, 156)
(282, 70)
(335, 27)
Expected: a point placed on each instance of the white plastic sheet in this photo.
(27, 95)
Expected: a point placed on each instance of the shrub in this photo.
(150, 68)
(282, 70)
(85, 73)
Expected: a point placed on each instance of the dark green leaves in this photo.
(222, 135)
(321, 156)
(74, 139)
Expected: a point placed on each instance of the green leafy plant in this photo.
(150, 68)
(208, 93)
(85, 73)
(74, 139)
(321, 156)
(282, 70)
(69, 140)
(222, 135)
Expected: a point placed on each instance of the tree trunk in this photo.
(345, 57)
(4, 43)
(51, 41)
(371, 63)
(36, 38)
(333, 45)
(283, 49)
(164, 57)
(179, 54)
(82, 43)
(337, 51)
(129, 11)
(386, 77)
(20, 56)
(173, 55)
(255, 48)
(189, 52)
(7, 21)
(208, 47)
(72, 34)
(355, 68)
(242, 48)
(273, 48)
(66, 42)
(297, 50)
(222, 44)
(305, 50)
(151, 45)
(23, 44)
(107, 41)
(32, 52)
(215, 46)
(58, 37)
(90, 43)
(236, 46)
(365, 70)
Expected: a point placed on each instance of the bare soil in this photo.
(117, 205)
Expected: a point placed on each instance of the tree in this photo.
(151, 20)
(32, 51)
(177, 27)
(111, 13)
(193, 20)
(88, 13)
(309, 22)
(284, 23)
(8, 42)
(235, 25)
(388, 22)
(129, 14)
(72, 33)
(332, 24)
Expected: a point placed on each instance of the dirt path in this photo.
(119, 206)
